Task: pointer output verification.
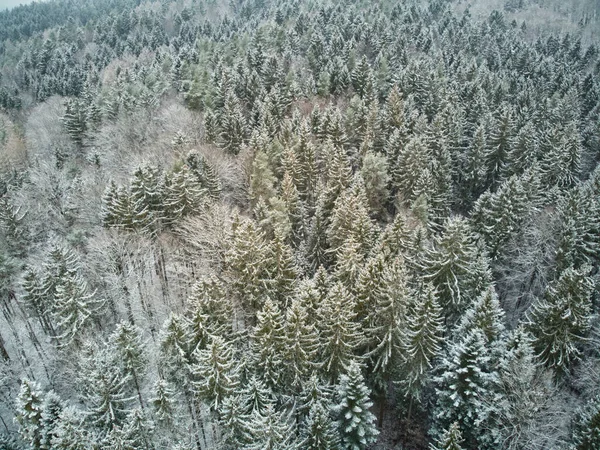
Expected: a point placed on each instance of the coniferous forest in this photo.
(300, 225)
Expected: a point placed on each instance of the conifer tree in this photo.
(214, 372)
(586, 426)
(105, 391)
(232, 125)
(268, 340)
(73, 309)
(385, 322)
(270, 431)
(451, 439)
(320, 431)
(235, 423)
(164, 404)
(374, 173)
(300, 344)
(560, 320)
(452, 266)
(356, 422)
(29, 412)
(129, 350)
(339, 335)
(421, 340)
(467, 390)
(500, 142)
(50, 419)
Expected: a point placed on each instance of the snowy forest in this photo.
(300, 225)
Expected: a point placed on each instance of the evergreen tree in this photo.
(339, 334)
(128, 348)
(356, 422)
(421, 340)
(270, 431)
(104, 389)
(29, 413)
(466, 390)
(235, 423)
(560, 320)
(385, 322)
(451, 439)
(215, 376)
(268, 339)
(586, 426)
(300, 344)
(164, 404)
(453, 266)
(50, 419)
(320, 431)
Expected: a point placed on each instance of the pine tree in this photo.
(473, 168)
(74, 120)
(214, 372)
(29, 412)
(320, 431)
(500, 215)
(452, 266)
(148, 197)
(71, 434)
(268, 338)
(350, 220)
(262, 179)
(235, 423)
(339, 334)
(284, 271)
(356, 422)
(466, 389)
(586, 426)
(128, 348)
(247, 261)
(500, 142)
(50, 419)
(360, 77)
(560, 320)
(485, 315)
(183, 194)
(374, 173)
(164, 404)
(270, 431)
(104, 389)
(256, 396)
(232, 125)
(74, 307)
(300, 344)
(385, 321)
(451, 439)
(421, 340)
(410, 167)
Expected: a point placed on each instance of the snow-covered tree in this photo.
(356, 422)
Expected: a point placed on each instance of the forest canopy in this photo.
(300, 225)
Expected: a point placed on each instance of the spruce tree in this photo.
(319, 431)
(356, 422)
(451, 439)
(586, 426)
(128, 347)
(560, 320)
(466, 389)
(268, 339)
(29, 412)
(421, 340)
(214, 372)
(340, 334)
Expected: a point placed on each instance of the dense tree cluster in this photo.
(298, 225)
